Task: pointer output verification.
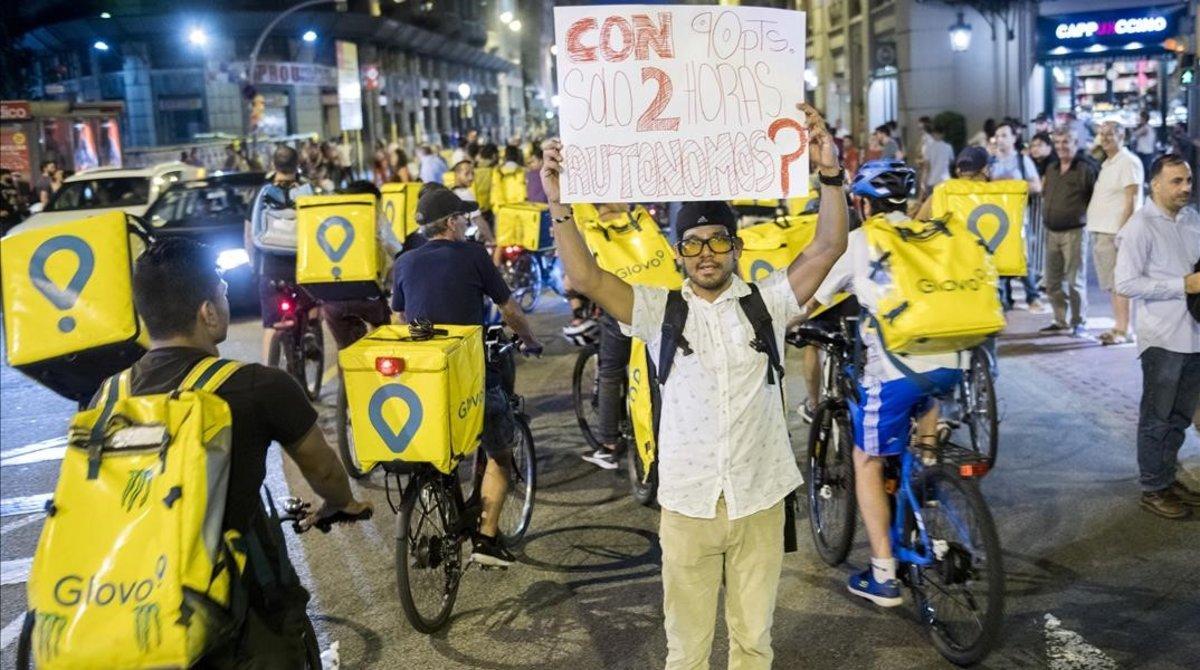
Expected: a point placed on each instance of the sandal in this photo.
(1115, 337)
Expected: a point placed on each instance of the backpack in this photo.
(338, 255)
(773, 244)
(761, 324)
(992, 211)
(509, 186)
(936, 286)
(273, 220)
(134, 568)
(634, 250)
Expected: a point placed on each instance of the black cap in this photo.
(972, 159)
(438, 203)
(705, 213)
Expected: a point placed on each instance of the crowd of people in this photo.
(17, 195)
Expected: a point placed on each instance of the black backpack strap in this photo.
(764, 332)
(674, 319)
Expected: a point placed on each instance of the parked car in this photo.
(214, 211)
(105, 189)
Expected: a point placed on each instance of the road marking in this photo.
(1067, 650)
(12, 630)
(40, 456)
(24, 505)
(329, 375)
(19, 523)
(17, 452)
(15, 571)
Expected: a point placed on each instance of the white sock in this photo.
(883, 569)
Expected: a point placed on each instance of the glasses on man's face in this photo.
(690, 247)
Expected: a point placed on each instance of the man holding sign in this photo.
(725, 458)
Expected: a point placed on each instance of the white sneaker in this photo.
(602, 458)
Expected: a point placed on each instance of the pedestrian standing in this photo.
(1156, 266)
(888, 148)
(1041, 151)
(432, 166)
(1009, 163)
(1066, 191)
(41, 185)
(1144, 141)
(1117, 196)
(938, 157)
(981, 138)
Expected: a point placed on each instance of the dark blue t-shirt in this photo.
(445, 282)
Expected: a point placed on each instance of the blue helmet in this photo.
(888, 180)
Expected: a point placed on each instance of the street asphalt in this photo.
(1093, 581)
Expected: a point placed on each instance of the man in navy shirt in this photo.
(445, 281)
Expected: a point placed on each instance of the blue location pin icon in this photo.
(1001, 230)
(62, 298)
(335, 254)
(389, 212)
(760, 269)
(396, 441)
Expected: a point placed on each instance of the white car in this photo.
(103, 190)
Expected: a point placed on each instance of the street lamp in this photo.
(197, 37)
(515, 26)
(553, 49)
(100, 45)
(960, 35)
(309, 36)
(555, 101)
(506, 17)
(105, 15)
(464, 90)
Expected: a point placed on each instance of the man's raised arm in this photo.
(808, 270)
(613, 295)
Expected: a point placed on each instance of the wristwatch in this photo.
(837, 180)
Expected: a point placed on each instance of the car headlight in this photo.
(232, 258)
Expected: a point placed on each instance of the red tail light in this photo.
(389, 366)
(969, 470)
(286, 306)
(513, 253)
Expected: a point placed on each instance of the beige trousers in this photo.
(698, 556)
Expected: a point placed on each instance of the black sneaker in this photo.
(1054, 328)
(491, 552)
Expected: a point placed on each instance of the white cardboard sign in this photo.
(665, 103)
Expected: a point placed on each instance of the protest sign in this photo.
(667, 103)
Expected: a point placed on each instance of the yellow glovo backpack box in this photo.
(508, 186)
(400, 207)
(936, 286)
(337, 253)
(633, 248)
(524, 224)
(773, 245)
(134, 568)
(69, 319)
(994, 211)
(414, 399)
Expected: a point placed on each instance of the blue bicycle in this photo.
(942, 532)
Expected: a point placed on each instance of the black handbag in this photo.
(1193, 299)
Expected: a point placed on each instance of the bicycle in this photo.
(436, 516)
(976, 399)
(294, 511)
(298, 343)
(585, 396)
(529, 273)
(942, 532)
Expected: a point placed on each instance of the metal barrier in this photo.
(1035, 240)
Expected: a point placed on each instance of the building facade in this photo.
(426, 72)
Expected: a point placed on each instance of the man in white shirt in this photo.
(1117, 195)
(1156, 266)
(1008, 163)
(938, 156)
(889, 397)
(725, 461)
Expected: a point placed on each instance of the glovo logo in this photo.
(389, 211)
(759, 270)
(62, 298)
(973, 283)
(1001, 230)
(396, 441)
(137, 489)
(335, 254)
(147, 626)
(630, 270)
(465, 407)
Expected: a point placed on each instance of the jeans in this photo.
(1170, 392)
(1066, 264)
(611, 366)
(1031, 289)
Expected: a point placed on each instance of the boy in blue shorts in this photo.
(888, 398)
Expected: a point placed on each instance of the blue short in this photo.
(883, 421)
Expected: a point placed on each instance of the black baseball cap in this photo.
(437, 202)
(705, 213)
(972, 159)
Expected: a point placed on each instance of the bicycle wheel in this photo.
(585, 387)
(311, 359)
(960, 597)
(830, 477)
(345, 435)
(982, 419)
(522, 485)
(643, 485)
(312, 646)
(276, 356)
(428, 554)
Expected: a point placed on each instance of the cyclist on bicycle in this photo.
(181, 297)
(267, 233)
(887, 397)
(445, 281)
(613, 355)
(350, 319)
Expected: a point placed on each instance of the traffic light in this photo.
(1187, 70)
